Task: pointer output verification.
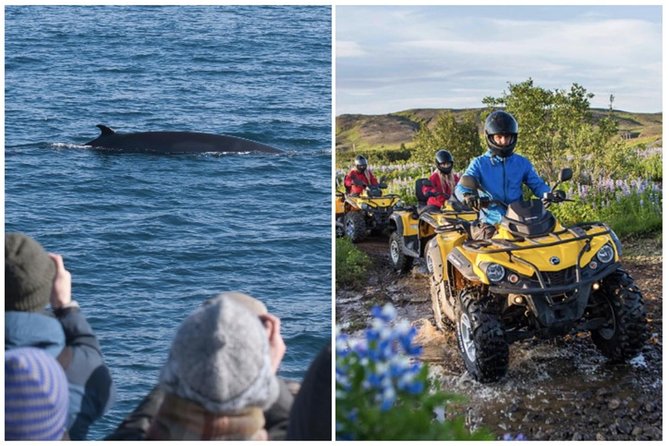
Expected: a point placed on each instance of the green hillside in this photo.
(389, 132)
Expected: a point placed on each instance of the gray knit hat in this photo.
(220, 357)
(29, 274)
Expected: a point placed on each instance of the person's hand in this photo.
(277, 348)
(470, 200)
(61, 294)
(559, 195)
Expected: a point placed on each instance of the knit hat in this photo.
(220, 357)
(36, 396)
(29, 274)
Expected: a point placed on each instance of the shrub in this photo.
(351, 264)
(383, 393)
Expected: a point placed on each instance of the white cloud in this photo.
(416, 54)
(348, 48)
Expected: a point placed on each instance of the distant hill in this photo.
(371, 132)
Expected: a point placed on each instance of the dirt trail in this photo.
(561, 389)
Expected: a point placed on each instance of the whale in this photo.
(175, 142)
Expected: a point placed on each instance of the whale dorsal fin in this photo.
(105, 130)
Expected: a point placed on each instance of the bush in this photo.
(629, 208)
(381, 394)
(351, 264)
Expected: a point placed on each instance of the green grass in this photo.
(351, 264)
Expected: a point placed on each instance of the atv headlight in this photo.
(605, 254)
(495, 272)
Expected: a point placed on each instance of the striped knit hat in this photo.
(36, 396)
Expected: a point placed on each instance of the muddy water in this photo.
(561, 389)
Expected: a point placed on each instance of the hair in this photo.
(447, 180)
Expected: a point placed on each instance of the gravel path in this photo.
(561, 389)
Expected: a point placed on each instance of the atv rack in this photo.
(577, 230)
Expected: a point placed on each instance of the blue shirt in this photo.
(503, 179)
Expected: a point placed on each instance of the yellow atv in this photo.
(367, 212)
(534, 278)
(340, 212)
(414, 226)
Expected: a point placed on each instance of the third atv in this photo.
(367, 212)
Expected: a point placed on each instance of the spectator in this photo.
(219, 377)
(33, 279)
(36, 396)
(311, 415)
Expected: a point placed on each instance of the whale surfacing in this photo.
(176, 142)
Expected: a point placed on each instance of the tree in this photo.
(459, 138)
(557, 129)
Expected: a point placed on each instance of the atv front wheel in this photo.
(355, 227)
(481, 337)
(623, 336)
(400, 261)
(339, 227)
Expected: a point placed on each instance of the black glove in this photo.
(559, 195)
(554, 197)
(471, 200)
(430, 194)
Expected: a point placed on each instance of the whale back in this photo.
(176, 142)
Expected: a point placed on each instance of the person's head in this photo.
(36, 396)
(501, 132)
(444, 161)
(360, 163)
(220, 357)
(29, 274)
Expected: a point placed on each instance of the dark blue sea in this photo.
(148, 237)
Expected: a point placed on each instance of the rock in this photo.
(602, 391)
(624, 427)
(653, 433)
(637, 431)
(600, 437)
(650, 407)
(577, 436)
(614, 404)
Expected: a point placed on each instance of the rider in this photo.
(443, 181)
(500, 172)
(359, 177)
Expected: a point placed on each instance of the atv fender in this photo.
(410, 243)
(463, 265)
(433, 254)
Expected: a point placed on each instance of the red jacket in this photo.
(436, 186)
(351, 187)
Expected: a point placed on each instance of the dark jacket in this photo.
(91, 390)
(311, 415)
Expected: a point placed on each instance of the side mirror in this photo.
(566, 174)
(469, 182)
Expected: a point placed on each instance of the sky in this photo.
(394, 58)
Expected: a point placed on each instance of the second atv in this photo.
(413, 227)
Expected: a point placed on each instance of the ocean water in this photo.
(148, 237)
